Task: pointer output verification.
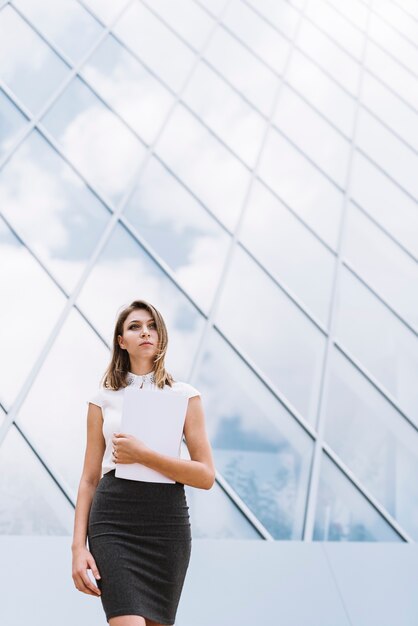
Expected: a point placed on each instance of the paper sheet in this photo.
(157, 418)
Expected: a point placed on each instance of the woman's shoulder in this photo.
(184, 388)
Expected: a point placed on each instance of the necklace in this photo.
(140, 379)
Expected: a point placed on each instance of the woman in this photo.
(138, 532)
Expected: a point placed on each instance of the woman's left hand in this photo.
(127, 448)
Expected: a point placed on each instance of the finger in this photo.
(87, 583)
(80, 586)
(93, 568)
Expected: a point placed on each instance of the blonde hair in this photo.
(115, 376)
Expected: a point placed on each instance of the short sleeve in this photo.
(96, 398)
(190, 391)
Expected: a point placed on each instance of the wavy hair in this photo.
(115, 376)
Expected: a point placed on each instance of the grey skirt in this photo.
(139, 534)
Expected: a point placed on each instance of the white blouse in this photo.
(111, 403)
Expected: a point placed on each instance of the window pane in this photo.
(75, 363)
(322, 92)
(280, 13)
(28, 65)
(395, 16)
(374, 441)
(189, 20)
(317, 201)
(392, 74)
(95, 140)
(379, 341)
(343, 514)
(128, 87)
(285, 247)
(262, 38)
(284, 344)
(385, 202)
(405, 52)
(338, 28)
(383, 265)
(31, 502)
(258, 446)
(314, 136)
(397, 159)
(106, 10)
(155, 44)
(12, 123)
(213, 514)
(355, 11)
(65, 23)
(180, 230)
(37, 187)
(248, 75)
(125, 266)
(390, 109)
(226, 113)
(329, 56)
(194, 154)
(23, 285)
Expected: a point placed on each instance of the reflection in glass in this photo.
(243, 70)
(374, 441)
(324, 94)
(75, 362)
(66, 24)
(217, 178)
(278, 338)
(339, 64)
(37, 187)
(382, 264)
(280, 13)
(385, 202)
(258, 446)
(31, 69)
(316, 138)
(226, 113)
(393, 156)
(262, 38)
(213, 514)
(31, 503)
(316, 199)
(397, 45)
(390, 109)
(181, 232)
(391, 73)
(106, 10)
(343, 514)
(128, 87)
(338, 28)
(379, 341)
(140, 30)
(286, 248)
(95, 140)
(33, 305)
(128, 274)
(188, 19)
(12, 122)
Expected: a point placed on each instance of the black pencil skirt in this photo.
(139, 534)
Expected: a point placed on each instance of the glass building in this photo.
(249, 167)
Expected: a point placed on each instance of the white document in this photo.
(157, 418)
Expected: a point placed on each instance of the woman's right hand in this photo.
(82, 561)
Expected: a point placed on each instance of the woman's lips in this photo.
(146, 343)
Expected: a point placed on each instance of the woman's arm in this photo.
(200, 470)
(91, 474)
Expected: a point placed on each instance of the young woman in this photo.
(138, 532)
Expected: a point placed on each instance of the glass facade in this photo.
(250, 167)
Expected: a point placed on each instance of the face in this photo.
(138, 328)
